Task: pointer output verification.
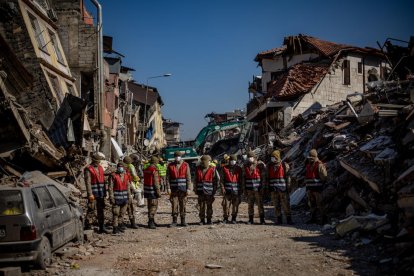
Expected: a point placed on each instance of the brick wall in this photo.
(40, 101)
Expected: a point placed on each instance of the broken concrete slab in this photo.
(366, 223)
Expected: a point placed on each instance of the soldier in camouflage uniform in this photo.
(231, 189)
(206, 179)
(133, 190)
(119, 194)
(278, 181)
(178, 187)
(254, 185)
(96, 189)
(152, 190)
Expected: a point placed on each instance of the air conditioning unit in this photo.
(52, 15)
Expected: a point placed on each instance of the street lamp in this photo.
(145, 106)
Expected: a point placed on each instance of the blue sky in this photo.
(209, 45)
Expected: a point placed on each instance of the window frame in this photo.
(360, 66)
(42, 202)
(56, 47)
(54, 80)
(53, 187)
(346, 72)
(38, 33)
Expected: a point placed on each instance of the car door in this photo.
(51, 214)
(67, 217)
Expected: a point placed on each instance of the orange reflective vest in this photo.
(204, 181)
(277, 181)
(97, 181)
(252, 178)
(149, 181)
(120, 188)
(232, 179)
(178, 179)
(312, 180)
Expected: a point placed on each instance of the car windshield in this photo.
(11, 203)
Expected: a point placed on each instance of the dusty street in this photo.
(235, 249)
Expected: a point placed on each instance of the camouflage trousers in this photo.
(162, 183)
(205, 203)
(131, 208)
(232, 202)
(118, 213)
(315, 204)
(178, 199)
(97, 205)
(252, 198)
(152, 207)
(280, 201)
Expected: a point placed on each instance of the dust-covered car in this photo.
(36, 218)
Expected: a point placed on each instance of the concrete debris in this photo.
(367, 145)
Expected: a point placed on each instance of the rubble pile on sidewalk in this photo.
(367, 144)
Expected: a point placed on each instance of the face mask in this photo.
(178, 158)
(244, 156)
(251, 159)
(233, 162)
(120, 169)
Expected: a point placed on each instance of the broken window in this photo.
(346, 72)
(56, 87)
(55, 44)
(359, 67)
(38, 33)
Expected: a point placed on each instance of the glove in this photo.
(188, 192)
(91, 198)
(223, 191)
(169, 191)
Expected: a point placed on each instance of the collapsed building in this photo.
(305, 74)
(366, 140)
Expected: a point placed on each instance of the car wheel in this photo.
(79, 232)
(44, 257)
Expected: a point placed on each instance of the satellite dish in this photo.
(146, 142)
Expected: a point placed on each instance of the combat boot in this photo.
(262, 219)
(122, 227)
(250, 220)
(202, 222)
(278, 220)
(233, 220)
(103, 229)
(151, 224)
(183, 223)
(225, 220)
(115, 230)
(289, 220)
(133, 224)
(209, 221)
(174, 222)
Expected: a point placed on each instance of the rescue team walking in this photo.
(253, 179)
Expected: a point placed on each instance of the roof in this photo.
(297, 81)
(302, 43)
(139, 92)
(270, 53)
(114, 65)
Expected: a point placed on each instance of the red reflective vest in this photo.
(97, 181)
(120, 188)
(178, 179)
(204, 181)
(149, 181)
(312, 180)
(276, 175)
(252, 178)
(232, 179)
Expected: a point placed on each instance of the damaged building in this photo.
(305, 74)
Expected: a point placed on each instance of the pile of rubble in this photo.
(367, 144)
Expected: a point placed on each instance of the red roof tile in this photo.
(297, 81)
(270, 53)
(326, 48)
